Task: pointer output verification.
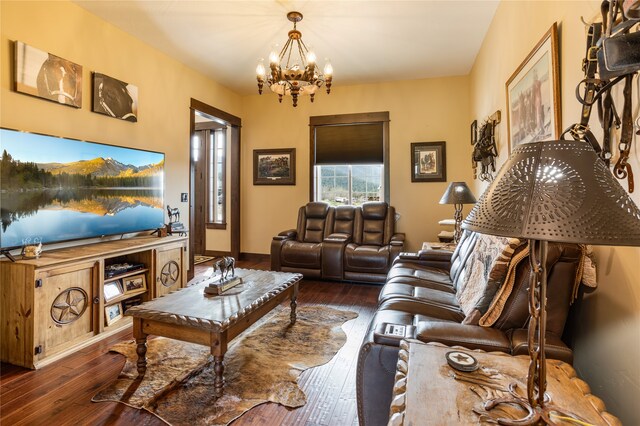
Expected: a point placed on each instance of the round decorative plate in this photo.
(461, 361)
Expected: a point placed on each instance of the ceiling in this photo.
(366, 41)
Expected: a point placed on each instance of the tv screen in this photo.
(55, 189)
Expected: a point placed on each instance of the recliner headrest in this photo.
(374, 210)
(345, 212)
(316, 209)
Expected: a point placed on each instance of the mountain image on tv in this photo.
(56, 189)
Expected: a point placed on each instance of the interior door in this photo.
(200, 189)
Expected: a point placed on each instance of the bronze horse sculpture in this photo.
(224, 265)
(174, 214)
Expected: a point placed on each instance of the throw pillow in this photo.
(486, 270)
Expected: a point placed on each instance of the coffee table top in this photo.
(191, 306)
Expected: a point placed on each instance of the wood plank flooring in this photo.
(60, 394)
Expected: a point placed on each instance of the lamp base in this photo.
(547, 414)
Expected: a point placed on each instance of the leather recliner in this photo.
(300, 249)
(420, 295)
(357, 244)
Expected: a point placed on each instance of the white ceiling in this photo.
(366, 41)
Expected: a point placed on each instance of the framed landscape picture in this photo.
(112, 313)
(47, 76)
(274, 166)
(135, 283)
(428, 162)
(533, 94)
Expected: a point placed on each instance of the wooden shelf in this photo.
(125, 275)
(125, 296)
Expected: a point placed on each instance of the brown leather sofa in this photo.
(420, 294)
(343, 243)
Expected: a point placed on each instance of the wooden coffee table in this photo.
(192, 316)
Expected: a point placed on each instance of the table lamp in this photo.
(457, 193)
(551, 191)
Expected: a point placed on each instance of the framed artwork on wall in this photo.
(533, 94)
(428, 162)
(274, 166)
(47, 76)
(114, 98)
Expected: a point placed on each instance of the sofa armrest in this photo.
(397, 239)
(435, 255)
(554, 346)
(338, 238)
(469, 336)
(289, 234)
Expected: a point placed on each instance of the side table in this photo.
(430, 392)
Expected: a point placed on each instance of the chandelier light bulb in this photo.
(260, 69)
(274, 58)
(328, 69)
(311, 57)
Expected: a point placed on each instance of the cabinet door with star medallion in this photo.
(66, 313)
(170, 269)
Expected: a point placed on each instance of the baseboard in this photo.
(216, 253)
(255, 257)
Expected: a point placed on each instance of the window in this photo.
(351, 184)
(216, 158)
(349, 157)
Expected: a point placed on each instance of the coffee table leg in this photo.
(141, 348)
(294, 304)
(218, 382)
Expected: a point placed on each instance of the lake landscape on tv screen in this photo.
(55, 189)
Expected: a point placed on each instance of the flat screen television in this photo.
(55, 189)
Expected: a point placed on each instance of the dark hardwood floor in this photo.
(60, 394)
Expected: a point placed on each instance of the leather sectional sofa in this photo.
(343, 243)
(421, 294)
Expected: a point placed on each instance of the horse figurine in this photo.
(174, 214)
(224, 265)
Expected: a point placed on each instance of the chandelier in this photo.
(293, 71)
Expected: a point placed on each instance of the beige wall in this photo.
(608, 345)
(165, 86)
(420, 111)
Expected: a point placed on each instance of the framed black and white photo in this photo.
(112, 289)
(47, 76)
(112, 313)
(274, 166)
(428, 162)
(114, 98)
(533, 94)
(134, 283)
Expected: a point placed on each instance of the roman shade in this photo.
(361, 143)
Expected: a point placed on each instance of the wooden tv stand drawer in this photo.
(54, 305)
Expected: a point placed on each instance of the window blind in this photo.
(349, 144)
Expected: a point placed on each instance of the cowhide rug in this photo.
(262, 365)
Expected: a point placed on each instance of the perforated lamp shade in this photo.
(557, 191)
(457, 193)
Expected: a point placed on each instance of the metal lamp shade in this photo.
(458, 193)
(557, 191)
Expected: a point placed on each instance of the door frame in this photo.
(233, 150)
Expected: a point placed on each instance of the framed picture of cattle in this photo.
(274, 166)
(47, 76)
(114, 98)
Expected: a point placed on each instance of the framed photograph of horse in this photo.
(428, 162)
(114, 98)
(47, 76)
(274, 166)
(533, 94)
